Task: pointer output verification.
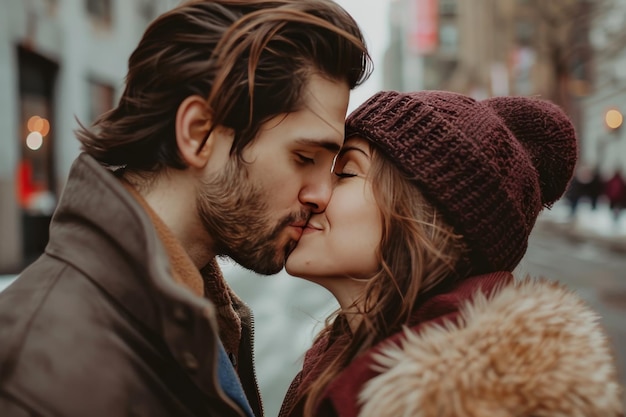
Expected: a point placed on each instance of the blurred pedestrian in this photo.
(435, 197)
(575, 192)
(615, 191)
(595, 187)
(221, 144)
(586, 185)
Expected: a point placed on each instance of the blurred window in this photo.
(101, 97)
(36, 86)
(147, 10)
(34, 176)
(447, 7)
(524, 32)
(100, 11)
(51, 7)
(448, 38)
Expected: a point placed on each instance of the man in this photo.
(221, 144)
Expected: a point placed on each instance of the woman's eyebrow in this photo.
(347, 149)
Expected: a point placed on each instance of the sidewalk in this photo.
(596, 226)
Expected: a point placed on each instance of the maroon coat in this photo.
(460, 338)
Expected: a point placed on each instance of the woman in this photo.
(435, 197)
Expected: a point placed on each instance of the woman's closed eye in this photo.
(347, 167)
(351, 162)
(345, 174)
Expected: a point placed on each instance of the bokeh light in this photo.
(38, 124)
(613, 119)
(34, 140)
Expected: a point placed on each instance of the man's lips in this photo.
(301, 224)
(298, 227)
(310, 228)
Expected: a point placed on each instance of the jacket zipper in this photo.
(254, 377)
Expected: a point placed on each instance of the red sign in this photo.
(425, 26)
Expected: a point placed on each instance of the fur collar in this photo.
(532, 348)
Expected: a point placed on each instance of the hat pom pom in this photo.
(547, 134)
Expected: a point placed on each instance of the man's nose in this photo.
(316, 193)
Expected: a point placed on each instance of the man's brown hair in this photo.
(251, 59)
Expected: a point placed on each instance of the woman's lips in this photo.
(297, 230)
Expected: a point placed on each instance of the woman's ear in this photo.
(193, 122)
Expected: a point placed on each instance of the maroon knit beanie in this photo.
(489, 166)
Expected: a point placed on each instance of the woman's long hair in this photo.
(418, 251)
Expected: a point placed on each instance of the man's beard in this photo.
(234, 211)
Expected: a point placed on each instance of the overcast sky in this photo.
(372, 16)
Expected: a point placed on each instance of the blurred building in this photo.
(605, 105)
(524, 47)
(488, 48)
(572, 52)
(60, 60)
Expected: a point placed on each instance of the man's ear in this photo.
(193, 121)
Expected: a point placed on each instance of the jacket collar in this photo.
(444, 303)
(183, 269)
(100, 229)
(207, 283)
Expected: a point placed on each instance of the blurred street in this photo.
(597, 274)
(65, 60)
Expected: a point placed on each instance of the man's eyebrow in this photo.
(330, 145)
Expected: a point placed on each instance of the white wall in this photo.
(10, 240)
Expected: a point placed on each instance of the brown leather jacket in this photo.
(98, 326)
